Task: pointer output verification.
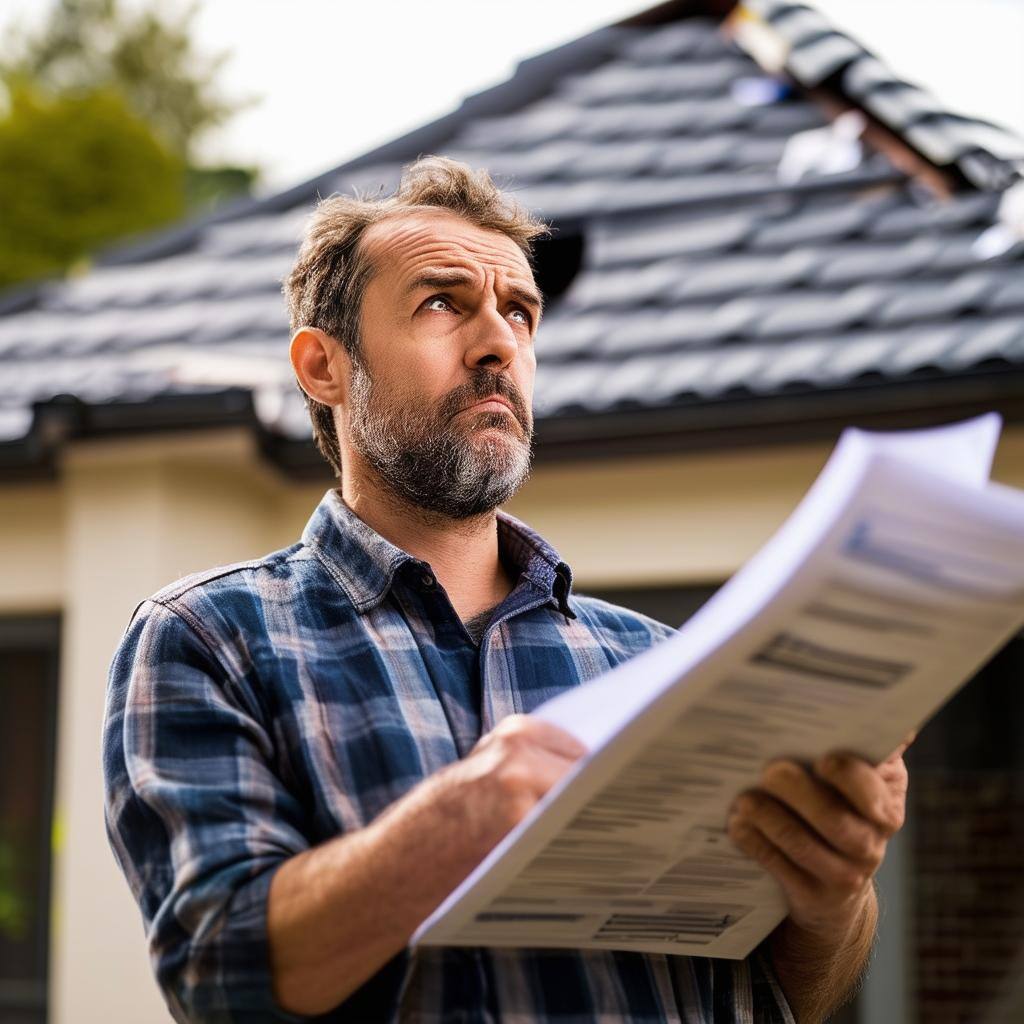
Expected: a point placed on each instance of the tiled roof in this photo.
(704, 278)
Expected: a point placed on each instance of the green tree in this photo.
(77, 172)
(146, 55)
(102, 110)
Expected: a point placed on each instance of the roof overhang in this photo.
(739, 421)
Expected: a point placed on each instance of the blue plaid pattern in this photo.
(258, 709)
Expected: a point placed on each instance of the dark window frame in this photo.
(38, 633)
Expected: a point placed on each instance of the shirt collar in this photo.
(364, 563)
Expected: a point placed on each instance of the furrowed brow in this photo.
(439, 279)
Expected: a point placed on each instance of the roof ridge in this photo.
(814, 51)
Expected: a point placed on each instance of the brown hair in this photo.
(325, 287)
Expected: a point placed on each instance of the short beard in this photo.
(428, 459)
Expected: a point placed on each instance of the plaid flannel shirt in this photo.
(258, 709)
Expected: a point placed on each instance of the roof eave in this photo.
(738, 421)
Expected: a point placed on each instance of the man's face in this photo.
(441, 394)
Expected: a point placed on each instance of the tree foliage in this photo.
(77, 172)
(105, 106)
(147, 55)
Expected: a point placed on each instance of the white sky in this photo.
(338, 77)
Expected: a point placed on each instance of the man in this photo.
(305, 753)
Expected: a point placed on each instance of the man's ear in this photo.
(321, 364)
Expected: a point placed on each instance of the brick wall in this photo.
(968, 893)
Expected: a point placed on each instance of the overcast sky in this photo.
(337, 77)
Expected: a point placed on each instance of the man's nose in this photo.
(493, 341)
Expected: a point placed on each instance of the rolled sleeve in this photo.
(197, 818)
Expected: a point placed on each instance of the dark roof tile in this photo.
(536, 163)
(565, 387)
(646, 120)
(910, 219)
(622, 382)
(851, 263)
(935, 299)
(544, 121)
(562, 336)
(630, 159)
(920, 346)
(792, 362)
(822, 57)
(625, 287)
(814, 226)
(783, 118)
(623, 81)
(741, 274)
(866, 76)
(900, 105)
(679, 374)
(170, 280)
(730, 150)
(733, 367)
(652, 330)
(692, 37)
(273, 233)
(859, 354)
(647, 238)
(796, 313)
(1009, 293)
(997, 339)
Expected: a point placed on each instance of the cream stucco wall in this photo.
(123, 518)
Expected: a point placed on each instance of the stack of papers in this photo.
(896, 578)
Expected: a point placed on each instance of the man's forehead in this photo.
(409, 241)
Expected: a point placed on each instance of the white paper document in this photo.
(896, 578)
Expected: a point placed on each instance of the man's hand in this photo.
(337, 913)
(503, 776)
(822, 833)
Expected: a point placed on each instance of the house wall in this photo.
(126, 517)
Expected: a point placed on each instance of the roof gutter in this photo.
(794, 417)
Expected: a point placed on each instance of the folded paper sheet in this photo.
(899, 574)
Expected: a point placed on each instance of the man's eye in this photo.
(438, 302)
(524, 317)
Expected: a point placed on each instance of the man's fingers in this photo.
(878, 800)
(800, 844)
(547, 768)
(822, 808)
(902, 748)
(534, 731)
(751, 841)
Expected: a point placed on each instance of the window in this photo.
(28, 702)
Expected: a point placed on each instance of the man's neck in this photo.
(463, 554)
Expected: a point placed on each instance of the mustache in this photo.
(482, 385)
